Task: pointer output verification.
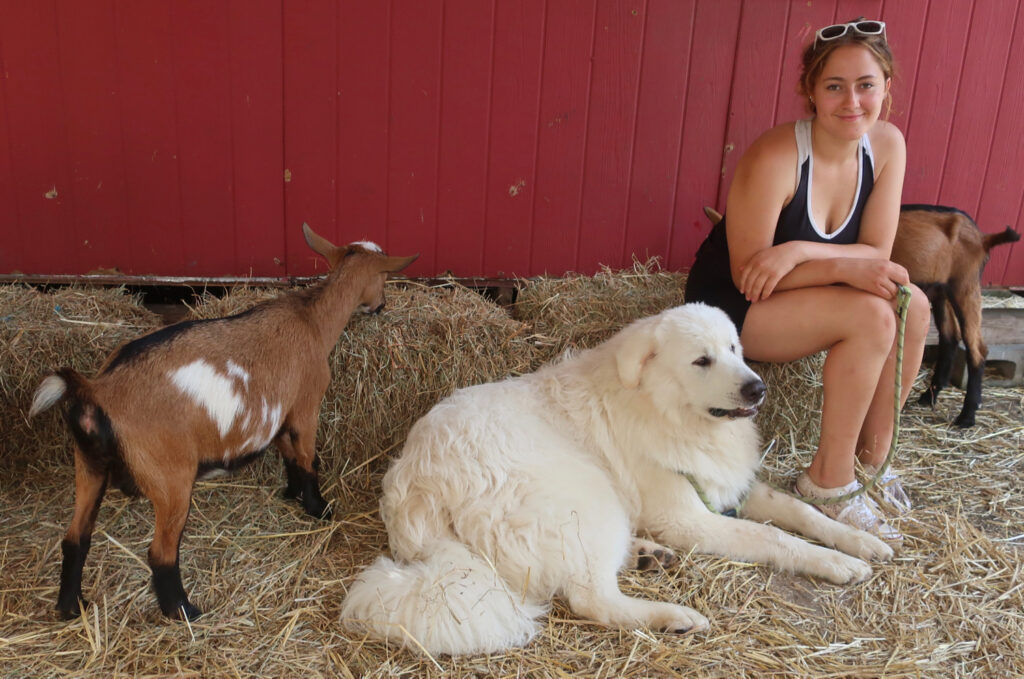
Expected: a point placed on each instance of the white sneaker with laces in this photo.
(859, 511)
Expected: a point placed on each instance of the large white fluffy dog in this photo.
(510, 493)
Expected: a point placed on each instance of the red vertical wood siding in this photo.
(494, 137)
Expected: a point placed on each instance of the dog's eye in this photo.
(703, 361)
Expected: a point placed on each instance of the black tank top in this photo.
(710, 278)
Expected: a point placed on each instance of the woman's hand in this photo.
(877, 276)
(763, 271)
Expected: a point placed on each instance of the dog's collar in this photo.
(731, 512)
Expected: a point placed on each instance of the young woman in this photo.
(801, 260)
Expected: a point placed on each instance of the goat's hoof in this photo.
(72, 612)
(317, 508)
(928, 398)
(964, 421)
(323, 513)
(184, 611)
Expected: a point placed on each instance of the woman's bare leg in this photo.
(876, 434)
(858, 330)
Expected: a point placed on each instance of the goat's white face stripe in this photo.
(214, 392)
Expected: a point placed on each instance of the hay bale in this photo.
(40, 331)
(577, 312)
(790, 419)
(388, 370)
(271, 580)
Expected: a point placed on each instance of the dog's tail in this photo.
(452, 603)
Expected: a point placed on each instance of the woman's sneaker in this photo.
(891, 489)
(859, 511)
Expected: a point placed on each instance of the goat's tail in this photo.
(88, 423)
(453, 602)
(55, 388)
(1007, 235)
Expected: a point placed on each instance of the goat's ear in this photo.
(322, 246)
(633, 353)
(713, 215)
(396, 264)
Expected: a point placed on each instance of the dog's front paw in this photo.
(841, 569)
(677, 619)
(864, 545)
(650, 556)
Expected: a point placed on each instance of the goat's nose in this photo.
(753, 391)
(378, 309)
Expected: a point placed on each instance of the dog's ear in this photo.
(637, 348)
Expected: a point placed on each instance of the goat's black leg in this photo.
(70, 600)
(967, 305)
(946, 352)
(312, 501)
(303, 484)
(293, 489)
(171, 513)
(90, 485)
(972, 397)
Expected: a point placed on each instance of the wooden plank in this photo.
(90, 90)
(803, 20)
(1002, 196)
(561, 136)
(668, 30)
(202, 82)
(1002, 326)
(977, 105)
(13, 235)
(465, 110)
(310, 128)
(38, 136)
(611, 127)
(753, 101)
(364, 106)
(703, 148)
(149, 136)
(257, 136)
(929, 126)
(413, 134)
(513, 142)
(905, 26)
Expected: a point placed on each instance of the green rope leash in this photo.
(903, 304)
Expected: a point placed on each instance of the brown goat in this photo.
(945, 253)
(207, 394)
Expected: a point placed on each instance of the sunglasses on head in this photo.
(839, 30)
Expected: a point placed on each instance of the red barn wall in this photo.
(497, 138)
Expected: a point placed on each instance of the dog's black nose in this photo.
(753, 391)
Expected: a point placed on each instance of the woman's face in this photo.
(850, 92)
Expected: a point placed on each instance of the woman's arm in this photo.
(758, 268)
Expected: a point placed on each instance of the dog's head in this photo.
(690, 357)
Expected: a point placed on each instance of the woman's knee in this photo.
(872, 318)
(918, 314)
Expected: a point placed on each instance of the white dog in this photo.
(508, 494)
